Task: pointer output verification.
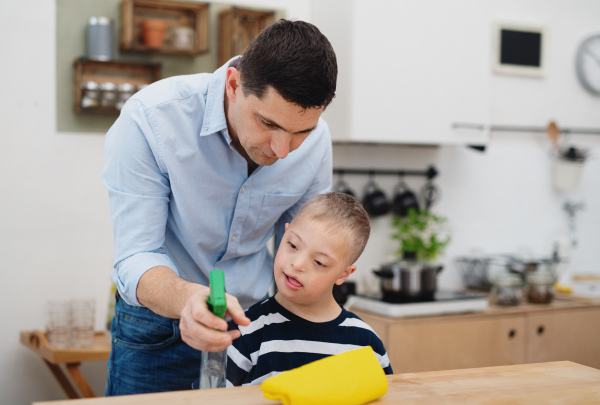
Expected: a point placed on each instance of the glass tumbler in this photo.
(58, 324)
(83, 320)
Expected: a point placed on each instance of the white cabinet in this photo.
(408, 69)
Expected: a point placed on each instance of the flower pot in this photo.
(154, 31)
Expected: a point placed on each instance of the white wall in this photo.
(500, 201)
(57, 240)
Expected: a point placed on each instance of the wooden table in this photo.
(71, 358)
(560, 382)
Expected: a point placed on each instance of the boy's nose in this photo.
(298, 264)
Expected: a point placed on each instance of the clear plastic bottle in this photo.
(212, 370)
(213, 367)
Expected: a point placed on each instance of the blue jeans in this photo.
(147, 353)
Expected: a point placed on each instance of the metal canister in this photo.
(100, 38)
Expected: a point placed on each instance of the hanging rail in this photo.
(430, 173)
(511, 128)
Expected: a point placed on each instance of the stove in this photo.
(443, 302)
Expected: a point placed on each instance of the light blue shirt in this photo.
(180, 194)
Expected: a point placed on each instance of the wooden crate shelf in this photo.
(238, 27)
(175, 14)
(134, 73)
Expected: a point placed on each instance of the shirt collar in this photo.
(214, 113)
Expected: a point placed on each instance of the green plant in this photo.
(423, 233)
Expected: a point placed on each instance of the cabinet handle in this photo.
(540, 330)
(512, 333)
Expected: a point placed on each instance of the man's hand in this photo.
(166, 294)
(203, 330)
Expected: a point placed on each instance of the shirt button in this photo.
(243, 189)
(233, 238)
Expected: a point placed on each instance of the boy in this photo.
(303, 322)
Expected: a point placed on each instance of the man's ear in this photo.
(232, 83)
(345, 274)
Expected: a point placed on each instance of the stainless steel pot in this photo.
(408, 281)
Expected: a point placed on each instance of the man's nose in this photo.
(280, 143)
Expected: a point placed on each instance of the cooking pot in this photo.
(408, 281)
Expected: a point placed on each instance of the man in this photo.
(201, 170)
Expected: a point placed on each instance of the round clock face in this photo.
(587, 63)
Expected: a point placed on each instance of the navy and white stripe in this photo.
(277, 340)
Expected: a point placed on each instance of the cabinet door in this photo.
(572, 335)
(453, 344)
(408, 69)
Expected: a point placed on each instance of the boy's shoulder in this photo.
(263, 312)
(261, 308)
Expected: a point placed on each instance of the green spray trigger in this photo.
(217, 302)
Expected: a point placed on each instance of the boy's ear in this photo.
(287, 226)
(345, 274)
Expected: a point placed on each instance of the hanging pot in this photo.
(375, 201)
(343, 187)
(404, 199)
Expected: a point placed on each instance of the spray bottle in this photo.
(213, 366)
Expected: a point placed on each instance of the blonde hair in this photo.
(345, 214)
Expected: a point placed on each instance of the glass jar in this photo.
(540, 287)
(126, 90)
(108, 97)
(90, 95)
(506, 290)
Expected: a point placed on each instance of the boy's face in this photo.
(311, 259)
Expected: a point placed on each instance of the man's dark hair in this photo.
(295, 59)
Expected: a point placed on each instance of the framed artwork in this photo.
(519, 49)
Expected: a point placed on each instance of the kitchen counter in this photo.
(566, 329)
(561, 382)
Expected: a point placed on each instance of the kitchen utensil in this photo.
(408, 281)
(540, 287)
(404, 199)
(553, 134)
(375, 201)
(342, 187)
(480, 271)
(430, 194)
(100, 38)
(341, 292)
(507, 290)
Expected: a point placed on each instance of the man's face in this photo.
(266, 129)
(310, 260)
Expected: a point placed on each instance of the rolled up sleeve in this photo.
(138, 188)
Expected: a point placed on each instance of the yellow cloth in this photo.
(351, 378)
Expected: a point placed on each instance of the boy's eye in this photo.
(319, 263)
(292, 245)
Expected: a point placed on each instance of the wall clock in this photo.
(587, 64)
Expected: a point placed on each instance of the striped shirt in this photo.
(277, 340)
